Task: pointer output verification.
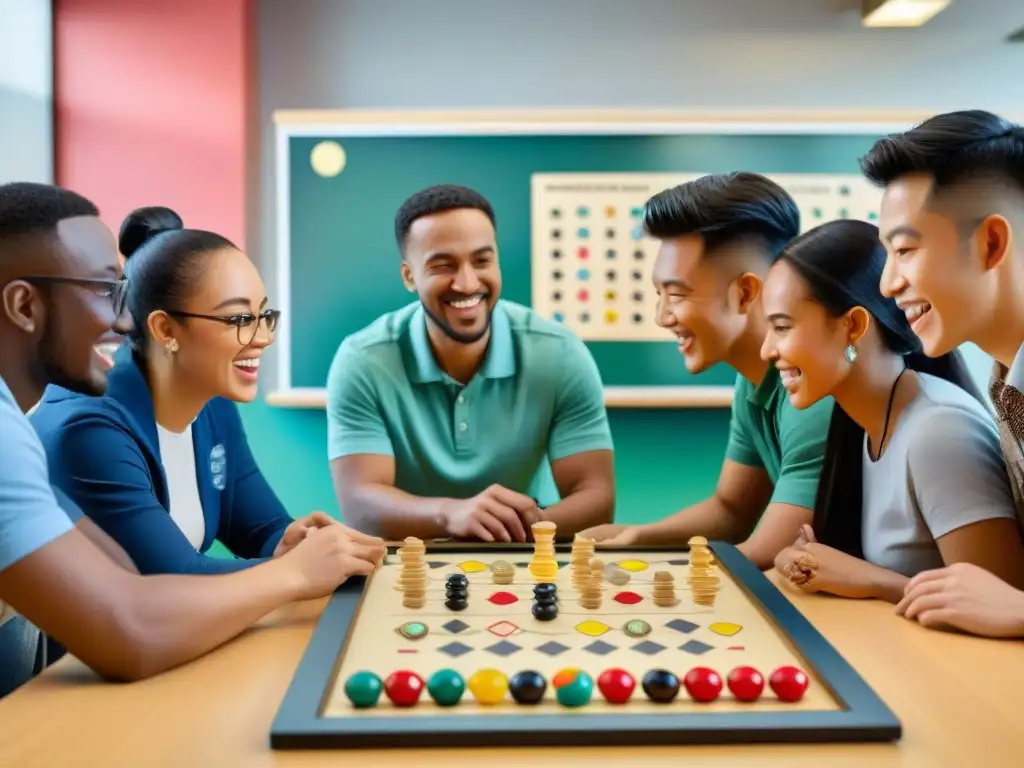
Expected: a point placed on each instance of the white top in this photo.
(178, 456)
(942, 469)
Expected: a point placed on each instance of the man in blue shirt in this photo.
(60, 292)
(445, 416)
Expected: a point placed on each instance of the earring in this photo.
(171, 348)
(851, 353)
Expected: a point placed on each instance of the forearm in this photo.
(385, 511)
(170, 620)
(885, 584)
(582, 509)
(710, 518)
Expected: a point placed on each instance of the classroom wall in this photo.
(730, 54)
(154, 99)
(26, 91)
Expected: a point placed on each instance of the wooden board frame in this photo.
(864, 717)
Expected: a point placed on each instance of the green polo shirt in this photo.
(537, 398)
(767, 431)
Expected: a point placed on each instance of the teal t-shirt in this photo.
(768, 431)
(537, 398)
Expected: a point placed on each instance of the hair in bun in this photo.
(144, 224)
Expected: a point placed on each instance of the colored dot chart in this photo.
(591, 261)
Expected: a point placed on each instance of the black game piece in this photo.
(457, 580)
(660, 685)
(527, 687)
(545, 590)
(457, 604)
(456, 594)
(545, 611)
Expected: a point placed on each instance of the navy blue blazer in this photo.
(103, 452)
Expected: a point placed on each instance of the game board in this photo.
(367, 633)
(591, 262)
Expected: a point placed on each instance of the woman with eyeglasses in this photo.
(160, 461)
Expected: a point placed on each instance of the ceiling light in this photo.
(900, 13)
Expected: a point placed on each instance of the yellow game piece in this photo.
(725, 628)
(592, 628)
(472, 566)
(488, 686)
(632, 565)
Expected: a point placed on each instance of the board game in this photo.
(570, 644)
(591, 262)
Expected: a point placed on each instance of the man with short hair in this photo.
(444, 415)
(60, 291)
(952, 218)
(719, 235)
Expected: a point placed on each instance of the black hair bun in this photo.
(143, 224)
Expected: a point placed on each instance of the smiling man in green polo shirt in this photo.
(719, 234)
(447, 417)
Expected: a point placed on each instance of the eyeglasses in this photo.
(247, 325)
(114, 290)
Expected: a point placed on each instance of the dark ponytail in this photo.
(162, 263)
(842, 263)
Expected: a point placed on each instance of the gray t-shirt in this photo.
(942, 469)
(30, 514)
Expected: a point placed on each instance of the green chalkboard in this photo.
(343, 265)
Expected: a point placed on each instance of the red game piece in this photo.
(703, 684)
(403, 688)
(616, 685)
(789, 683)
(746, 683)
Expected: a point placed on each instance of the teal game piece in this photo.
(363, 689)
(573, 687)
(446, 687)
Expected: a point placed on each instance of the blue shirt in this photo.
(30, 516)
(537, 398)
(104, 453)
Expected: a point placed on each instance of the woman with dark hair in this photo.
(913, 476)
(161, 461)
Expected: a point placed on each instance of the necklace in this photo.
(888, 413)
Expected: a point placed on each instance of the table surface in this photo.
(960, 698)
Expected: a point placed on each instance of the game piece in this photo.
(363, 689)
(446, 687)
(579, 560)
(637, 628)
(488, 686)
(413, 630)
(502, 572)
(702, 579)
(789, 683)
(457, 581)
(456, 588)
(403, 688)
(527, 687)
(703, 684)
(573, 687)
(746, 683)
(660, 685)
(616, 685)
(413, 579)
(545, 590)
(616, 574)
(545, 610)
(544, 567)
(664, 592)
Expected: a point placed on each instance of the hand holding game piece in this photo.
(495, 514)
(964, 597)
(327, 557)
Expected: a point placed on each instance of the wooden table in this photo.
(961, 700)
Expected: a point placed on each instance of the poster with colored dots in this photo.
(592, 262)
